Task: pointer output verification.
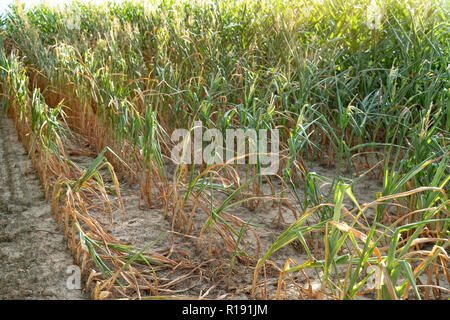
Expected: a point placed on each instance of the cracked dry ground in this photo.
(33, 253)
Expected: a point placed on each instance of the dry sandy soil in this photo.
(33, 253)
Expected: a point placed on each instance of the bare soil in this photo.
(33, 253)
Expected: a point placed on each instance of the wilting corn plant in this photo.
(361, 86)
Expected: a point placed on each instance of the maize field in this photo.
(354, 95)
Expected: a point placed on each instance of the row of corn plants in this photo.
(361, 86)
(110, 268)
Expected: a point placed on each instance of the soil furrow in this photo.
(34, 258)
